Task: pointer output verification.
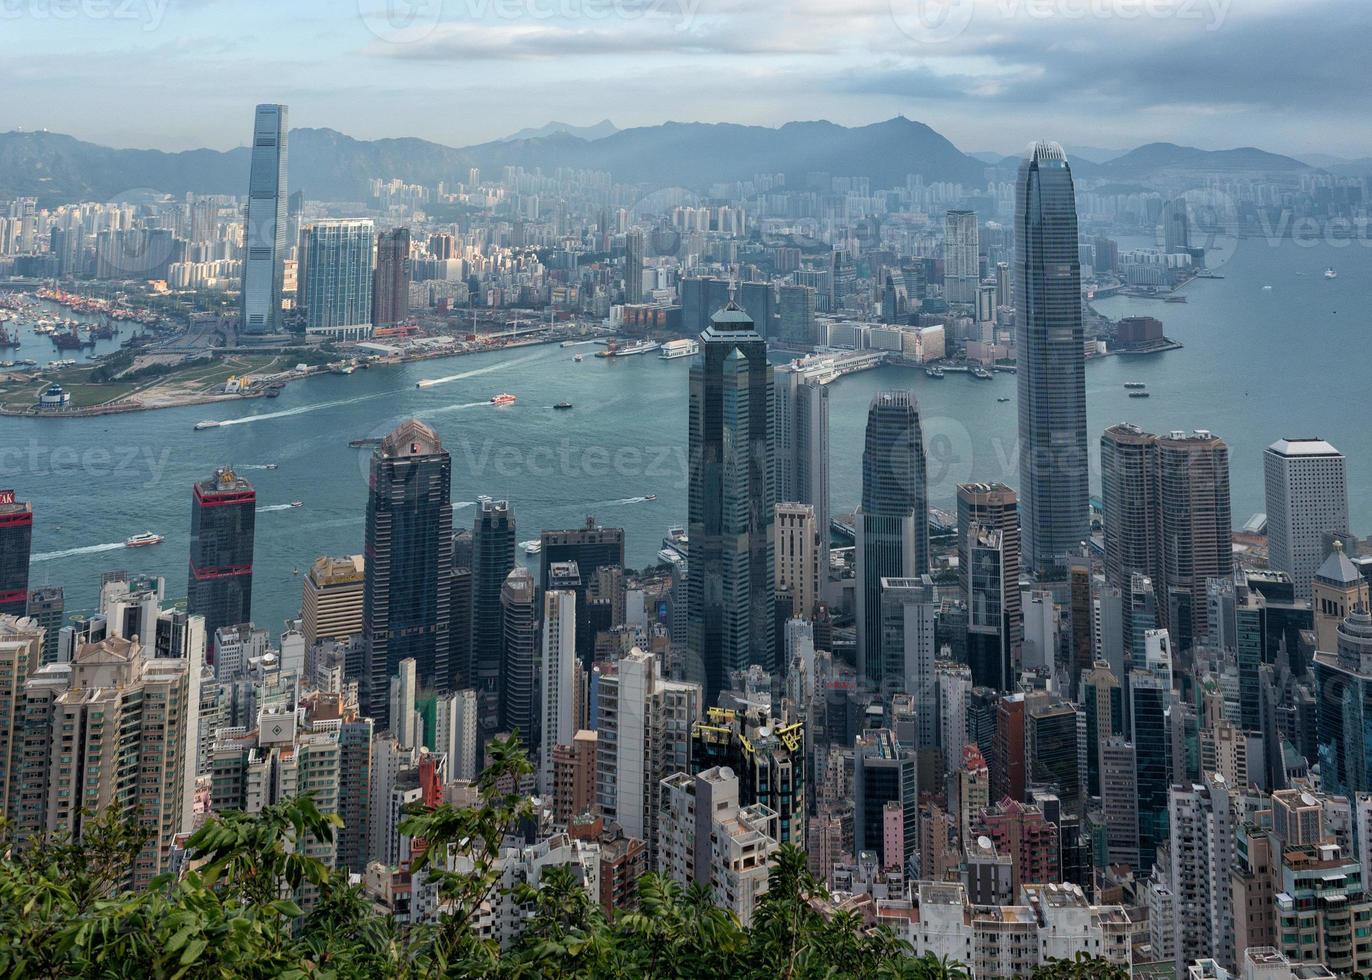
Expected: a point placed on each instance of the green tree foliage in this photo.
(66, 910)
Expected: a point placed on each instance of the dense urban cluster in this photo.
(1045, 735)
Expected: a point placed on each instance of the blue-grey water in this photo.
(1257, 365)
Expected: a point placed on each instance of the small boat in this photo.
(563, 406)
(1135, 384)
(297, 503)
(270, 466)
(364, 443)
(207, 424)
(504, 398)
(143, 540)
(295, 571)
(425, 383)
(933, 372)
(1138, 394)
(1330, 274)
(981, 374)
(1003, 398)
(650, 496)
(531, 547)
(1266, 289)
(577, 358)
(342, 369)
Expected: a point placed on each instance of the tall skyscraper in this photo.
(908, 650)
(493, 557)
(16, 542)
(590, 549)
(988, 627)
(1049, 339)
(338, 278)
(1194, 527)
(801, 441)
(1129, 493)
(633, 267)
(893, 522)
(797, 314)
(47, 607)
(883, 772)
(961, 265)
(1307, 495)
(731, 497)
(797, 557)
(993, 505)
(223, 521)
(408, 564)
(563, 680)
(519, 655)
(264, 236)
(391, 284)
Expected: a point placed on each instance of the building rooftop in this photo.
(1338, 569)
(1303, 446)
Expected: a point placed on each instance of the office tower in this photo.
(337, 288)
(1175, 231)
(906, 650)
(1344, 676)
(1053, 751)
(589, 549)
(1336, 590)
(797, 557)
(988, 631)
(643, 727)
(633, 267)
(455, 732)
(883, 772)
(1307, 495)
(1128, 463)
(47, 607)
(223, 521)
(1201, 828)
(1039, 653)
(16, 542)
(519, 656)
(295, 207)
(1120, 800)
(1083, 618)
(331, 601)
(1031, 841)
(797, 315)
(766, 754)
(993, 505)
(1150, 696)
(960, 262)
(1194, 526)
(731, 499)
(700, 298)
(1008, 773)
(493, 558)
(709, 838)
(391, 283)
(892, 524)
(407, 560)
(801, 445)
(1054, 466)
(563, 681)
(1102, 700)
(264, 235)
(460, 613)
(129, 716)
(406, 724)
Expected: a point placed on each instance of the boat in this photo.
(297, 503)
(8, 339)
(531, 547)
(563, 406)
(270, 466)
(504, 398)
(650, 496)
(1135, 384)
(207, 424)
(678, 348)
(981, 374)
(1266, 289)
(933, 372)
(1138, 394)
(364, 443)
(143, 540)
(577, 358)
(637, 347)
(1330, 274)
(342, 369)
(425, 383)
(1003, 398)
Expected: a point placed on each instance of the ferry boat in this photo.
(425, 383)
(933, 372)
(577, 358)
(532, 547)
(143, 540)
(1135, 384)
(562, 406)
(678, 348)
(1138, 394)
(981, 374)
(297, 503)
(1330, 274)
(637, 347)
(1003, 398)
(650, 496)
(504, 398)
(207, 424)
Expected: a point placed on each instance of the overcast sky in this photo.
(1287, 75)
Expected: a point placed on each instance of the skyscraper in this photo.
(731, 499)
(993, 505)
(633, 267)
(797, 563)
(338, 278)
(893, 522)
(1054, 467)
(264, 236)
(408, 564)
(1128, 465)
(519, 655)
(562, 680)
(801, 446)
(223, 521)
(493, 557)
(797, 314)
(960, 262)
(391, 284)
(988, 628)
(1307, 495)
(1194, 527)
(16, 542)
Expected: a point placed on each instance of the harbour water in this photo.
(1257, 365)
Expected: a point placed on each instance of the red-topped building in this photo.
(16, 540)
(223, 522)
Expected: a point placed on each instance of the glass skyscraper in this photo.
(223, 523)
(731, 503)
(264, 237)
(406, 601)
(892, 524)
(338, 278)
(1053, 461)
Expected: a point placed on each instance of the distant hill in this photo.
(1153, 158)
(595, 132)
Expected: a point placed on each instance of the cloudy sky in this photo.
(990, 74)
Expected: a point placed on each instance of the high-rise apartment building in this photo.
(1049, 339)
(892, 524)
(331, 600)
(731, 497)
(264, 236)
(16, 542)
(223, 523)
(961, 265)
(1201, 825)
(768, 757)
(407, 561)
(391, 283)
(337, 288)
(1307, 495)
(563, 683)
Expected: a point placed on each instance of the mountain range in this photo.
(331, 166)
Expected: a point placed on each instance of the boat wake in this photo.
(255, 466)
(431, 382)
(454, 408)
(459, 504)
(90, 549)
(305, 409)
(622, 502)
(273, 507)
